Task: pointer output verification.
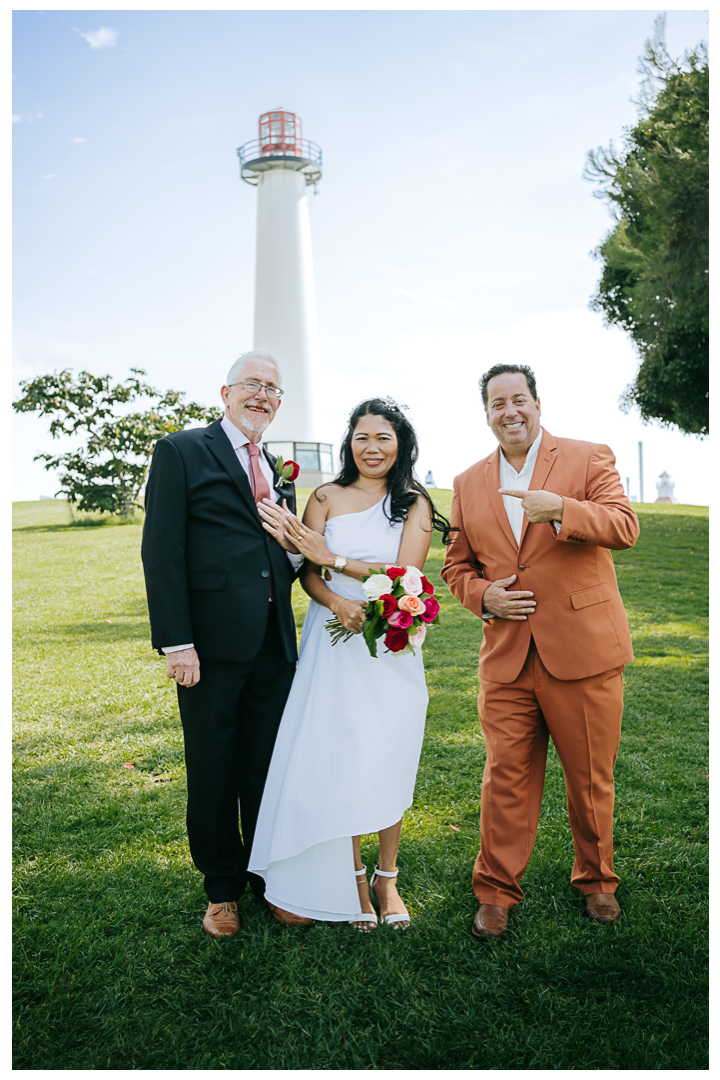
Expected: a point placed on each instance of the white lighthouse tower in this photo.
(281, 164)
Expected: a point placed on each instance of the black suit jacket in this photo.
(208, 561)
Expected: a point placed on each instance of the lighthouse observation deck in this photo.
(280, 146)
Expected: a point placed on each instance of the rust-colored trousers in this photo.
(583, 717)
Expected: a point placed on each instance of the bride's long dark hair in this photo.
(402, 484)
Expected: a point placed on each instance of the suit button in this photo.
(265, 573)
(521, 567)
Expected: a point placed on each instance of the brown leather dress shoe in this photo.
(287, 918)
(602, 907)
(222, 920)
(490, 922)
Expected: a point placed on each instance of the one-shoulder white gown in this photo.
(347, 750)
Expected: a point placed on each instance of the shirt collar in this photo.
(237, 437)
(531, 455)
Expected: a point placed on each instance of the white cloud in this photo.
(48, 176)
(21, 117)
(77, 139)
(104, 38)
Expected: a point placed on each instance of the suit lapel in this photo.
(547, 456)
(492, 482)
(283, 488)
(222, 448)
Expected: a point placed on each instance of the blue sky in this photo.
(452, 227)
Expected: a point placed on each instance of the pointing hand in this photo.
(538, 506)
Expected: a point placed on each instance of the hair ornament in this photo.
(392, 404)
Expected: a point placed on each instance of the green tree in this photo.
(108, 473)
(654, 281)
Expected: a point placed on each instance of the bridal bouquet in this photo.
(401, 607)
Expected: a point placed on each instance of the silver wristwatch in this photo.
(339, 565)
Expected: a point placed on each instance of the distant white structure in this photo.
(430, 480)
(665, 487)
(281, 164)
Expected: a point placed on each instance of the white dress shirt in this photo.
(517, 481)
(520, 481)
(239, 441)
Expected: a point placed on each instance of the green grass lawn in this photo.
(113, 970)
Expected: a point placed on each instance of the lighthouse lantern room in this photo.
(280, 132)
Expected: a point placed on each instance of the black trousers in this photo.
(230, 720)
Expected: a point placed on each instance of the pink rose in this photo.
(413, 604)
(431, 609)
(419, 636)
(412, 581)
(401, 619)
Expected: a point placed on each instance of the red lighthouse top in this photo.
(280, 146)
(280, 132)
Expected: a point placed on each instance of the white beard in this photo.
(255, 423)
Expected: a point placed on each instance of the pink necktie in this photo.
(260, 486)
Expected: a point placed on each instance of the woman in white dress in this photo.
(349, 743)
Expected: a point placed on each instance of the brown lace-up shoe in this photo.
(602, 907)
(287, 918)
(222, 920)
(490, 922)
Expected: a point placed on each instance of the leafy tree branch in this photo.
(654, 281)
(109, 471)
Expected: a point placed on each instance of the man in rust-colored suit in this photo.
(536, 521)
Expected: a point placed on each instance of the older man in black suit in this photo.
(218, 588)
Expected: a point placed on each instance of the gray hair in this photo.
(255, 354)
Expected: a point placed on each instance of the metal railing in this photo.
(260, 149)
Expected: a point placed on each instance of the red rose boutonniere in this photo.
(287, 470)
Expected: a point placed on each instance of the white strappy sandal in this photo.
(400, 921)
(367, 916)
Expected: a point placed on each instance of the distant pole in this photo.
(627, 481)
(642, 487)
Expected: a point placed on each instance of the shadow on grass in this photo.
(87, 523)
(103, 632)
(137, 984)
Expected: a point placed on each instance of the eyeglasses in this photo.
(253, 387)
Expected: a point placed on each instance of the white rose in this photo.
(411, 581)
(377, 585)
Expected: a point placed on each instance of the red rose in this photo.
(389, 604)
(395, 572)
(431, 609)
(287, 470)
(427, 586)
(396, 639)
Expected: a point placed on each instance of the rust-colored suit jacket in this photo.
(579, 625)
